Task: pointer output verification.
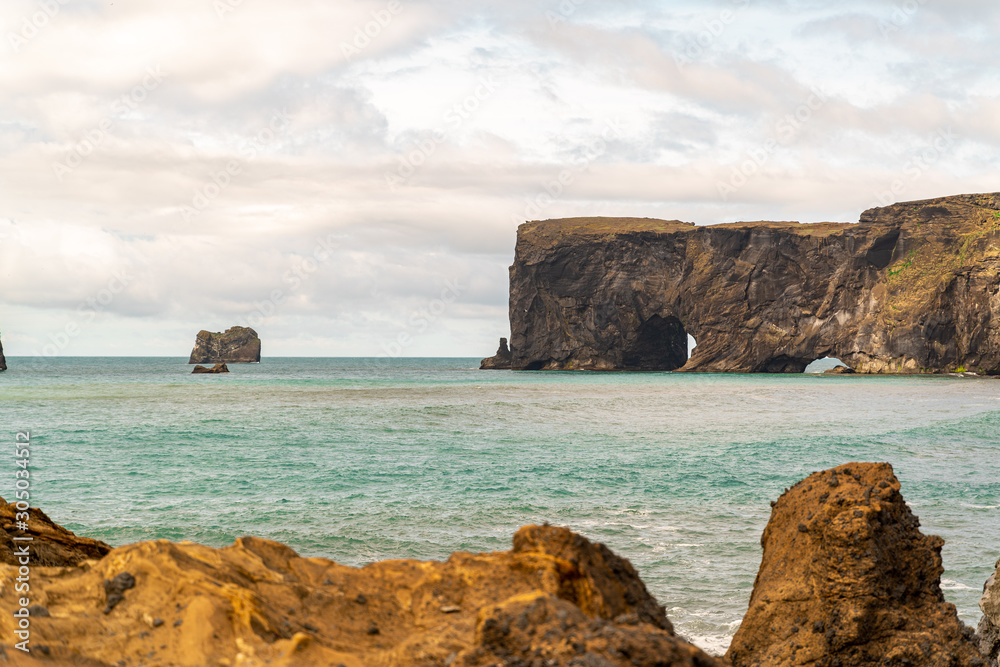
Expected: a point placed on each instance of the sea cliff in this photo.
(912, 288)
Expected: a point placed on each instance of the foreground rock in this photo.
(500, 361)
(238, 345)
(910, 289)
(218, 368)
(50, 545)
(988, 634)
(554, 599)
(847, 579)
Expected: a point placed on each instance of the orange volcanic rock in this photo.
(847, 579)
(50, 544)
(554, 599)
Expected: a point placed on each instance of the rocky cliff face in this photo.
(238, 345)
(912, 288)
(988, 634)
(848, 580)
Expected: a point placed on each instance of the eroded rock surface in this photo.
(218, 368)
(988, 634)
(500, 361)
(50, 545)
(238, 345)
(847, 579)
(257, 602)
(913, 288)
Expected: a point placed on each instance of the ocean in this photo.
(361, 460)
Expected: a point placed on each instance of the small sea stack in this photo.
(238, 345)
(218, 368)
(3, 360)
(500, 361)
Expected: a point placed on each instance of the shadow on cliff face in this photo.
(661, 344)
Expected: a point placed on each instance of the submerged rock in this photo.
(988, 634)
(50, 545)
(218, 368)
(238, 345)
(500, 361)
(847, 579)
(555, 596)
(910, 289)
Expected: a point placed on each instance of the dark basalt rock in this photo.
(839, 370)
(501, 361)
(912, 288)
(50, 545)
(218, 368)
(238, 345)
(848, 580)
(3, 360)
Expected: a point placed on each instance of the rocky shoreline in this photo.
(846, 579)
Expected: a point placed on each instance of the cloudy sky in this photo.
(347, 176)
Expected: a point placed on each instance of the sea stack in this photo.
(238, 345)
(501, 361)
(847, 579)
(3, 361)
(218, 368)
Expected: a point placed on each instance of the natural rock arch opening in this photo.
(692, 343)
(660, 344)
(823, 364)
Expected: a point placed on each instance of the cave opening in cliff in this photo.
(823, 365)
(660, 344)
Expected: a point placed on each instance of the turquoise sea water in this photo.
(366, 459)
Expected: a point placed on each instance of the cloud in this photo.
(205, 148)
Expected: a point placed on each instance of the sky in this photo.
(347, 176)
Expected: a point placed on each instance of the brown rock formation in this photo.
(988, 635)
(847, 579)
(914, 287)
(238, 345)
(50, 545)
(218, 368)
(554, 596)
(839, 370)
(500, 361)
